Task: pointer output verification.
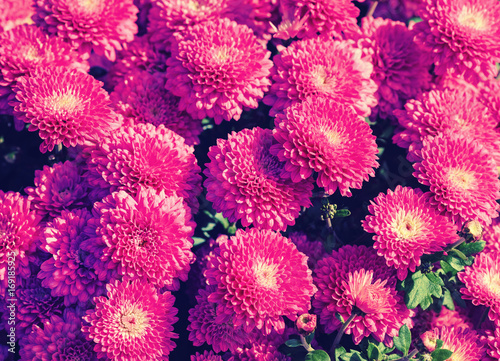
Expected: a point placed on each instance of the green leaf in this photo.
(198, 240)
(419, 291)
(459, 254)
(457, 263)
(342, 213)
(339, 317)
(457, 297)
(219, 217)
(441, 354)
(317, 355)
(310, 337)
(447, 268)
(352, 356)
(373, 352)
(208, 227)
(403, 340)
(339, 351)
(393, 357)
(439, 344)
(448, 300)
(293, 342)
(472, 248)
(434, 278)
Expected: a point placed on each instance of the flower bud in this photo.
(472, 231)
(306, 323)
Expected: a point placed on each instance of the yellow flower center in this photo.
(492, 282)
(473, 19)
(194, 5)
(321, 80)
(265, 274)
(133, 321)
(461, 178)
(87, 7)
(406, 225)
(62, 103)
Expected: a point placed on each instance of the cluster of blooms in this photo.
(101, 240)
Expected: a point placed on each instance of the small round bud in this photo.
(429, 339)
(306, 323)
(472, 231)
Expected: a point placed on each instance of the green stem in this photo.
(372, 8)
(409, 357)
(307, 346)
(341, 331)
(455, 245)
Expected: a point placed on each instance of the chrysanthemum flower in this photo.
(132, 321)
(167, 17)
(493, 348)
(142, 97)
(309, 18)
(318, 67)
(263, 348)
(400, 69)
(464, 343)
(14, 13)
(206, 356)
(407, 226)
(34, 305)
(66, 106)
(461, 36)
(146, 237)
(203, 326)
(142, 154)
(58, 188)
(244, 182)
(482, 283)
(26, 48)
(59, 339)
(19, 230)
(260, 277)
(441, 110)
(99, 25)
(218, 69)
(491, 235)
(356, 279)
(256, 14)
(68, 273)
(461, 175)
(324, 136)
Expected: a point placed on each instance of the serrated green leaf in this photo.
(459, 254)
(317, 355)
(447, 268)
(293, 342)
(198, 240)
(339, 351)
(373, 352)
(403, 340)
(448, 300)
(439, 344)
(455, 262)
(472, 248)
(419, 291)
(441, 354)
(352, 356)
(434, 278)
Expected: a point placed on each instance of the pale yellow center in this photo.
(88, 6)
(472, 19)
(406, 225)
(194, 5)
(321, 79)
(492, 282)
(462, 179)
(60, 103)
(133, 321)
(333, 137)
(265, 274)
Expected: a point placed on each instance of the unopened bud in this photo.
(306, 323)
(429, 339)
(472, 231)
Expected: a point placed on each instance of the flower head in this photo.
(256, 14)
(355, 280)
(144, 155)
(260, 277)
(407, 226)
(14, 13)
(318, 67)
(244, 182)
(324, 136)
(99, 25)
(461, 36)
(306, 323)
(461, 175)
(66, 106)
(206, 356)
(133, 320)
(463, 342)
(142, 97)
(218, 69)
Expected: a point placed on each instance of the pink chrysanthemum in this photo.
(263, 348)
(142, 154)
(133, 322)
(167, 17)
(68, 272)
(19, 230)
(327, 137)
(356, 279)
(244, 182)
(493, 348)
(14, 13)
(57, 188)
(308, 18)
(260, 277)
(491, 235)
(464, 343)
(462, 177)
(59, 339)
(446, 110)
(26, 48)
(146, 237)
(461, 36)
(66, 106)
(218, 69)
(256, 14)
(99, 25)
(318, 67)
(203, 326)
(400, 69)
(407, 226)
(482, 283)
(142, 97)
(206, 356)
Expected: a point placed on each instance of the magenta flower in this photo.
(206, 356)
(324, 136)
(101, 26)
(14, 13)
(218, 69)
(132, 321)
(256, 14)
(260, 277)
(407, 226)
(244, 182)
(465, 343)
(319, 67)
